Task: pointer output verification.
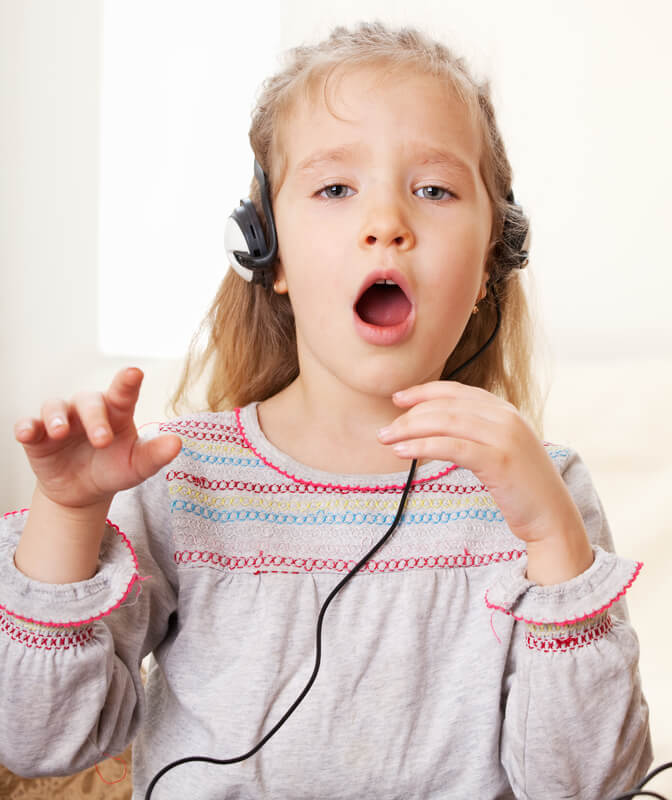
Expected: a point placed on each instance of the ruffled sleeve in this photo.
(71, 653)
(576, 723)
(68, 604)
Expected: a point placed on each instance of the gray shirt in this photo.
(445, 673)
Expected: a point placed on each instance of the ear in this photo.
(280, 282)
(484, 285)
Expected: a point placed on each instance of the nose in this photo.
(385, 224)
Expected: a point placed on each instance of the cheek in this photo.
(458, 272)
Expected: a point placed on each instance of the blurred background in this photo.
(123, 148)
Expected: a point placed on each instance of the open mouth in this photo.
(383, 304)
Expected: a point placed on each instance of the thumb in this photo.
(151, 455)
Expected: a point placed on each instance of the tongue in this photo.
(383, 305)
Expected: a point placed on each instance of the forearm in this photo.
(61, 544)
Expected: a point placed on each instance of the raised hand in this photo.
(485, 434)
(84, 451)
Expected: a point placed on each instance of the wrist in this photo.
(77, 516)
(559, 558)
(61, 544)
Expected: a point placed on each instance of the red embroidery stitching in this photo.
(563, 644)
(594, 613)
(185, 428)
(32, 639)
(275, 488)
(202, 558)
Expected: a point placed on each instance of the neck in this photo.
(332, 431)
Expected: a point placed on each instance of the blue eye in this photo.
(438, 192)
(330, 194)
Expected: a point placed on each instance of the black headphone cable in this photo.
(318, 654)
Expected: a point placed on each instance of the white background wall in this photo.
(582, 95)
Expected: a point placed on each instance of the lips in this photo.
(389, 327)
(385, 274)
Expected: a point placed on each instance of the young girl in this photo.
(484, 651)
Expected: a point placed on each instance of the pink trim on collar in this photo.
(268, 463)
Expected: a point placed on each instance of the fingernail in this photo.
(383, 433)
(57, 422)
(401, 449)
(100, 433)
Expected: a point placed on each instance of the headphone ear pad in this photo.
(244, 234)
(516, 234)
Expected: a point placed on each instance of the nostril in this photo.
(370, 239)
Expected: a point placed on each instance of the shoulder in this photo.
(204, 426)
(211, 441)
(197, 426)
(573, 468)
(560, 454)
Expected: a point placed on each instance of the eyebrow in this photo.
(428, 155)
(321, 157)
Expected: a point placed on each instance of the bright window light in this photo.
(178, 86)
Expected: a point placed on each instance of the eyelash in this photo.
(332, 197)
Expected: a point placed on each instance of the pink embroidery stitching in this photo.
(589, 615)
(50, 623)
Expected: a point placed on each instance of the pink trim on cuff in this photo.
(572, 621)
(73, 623)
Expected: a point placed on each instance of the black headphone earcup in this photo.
(249, 254)
(244, 236)
(516, 233)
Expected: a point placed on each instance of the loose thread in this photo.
(111, 783)
(136, 585)
(492, 625)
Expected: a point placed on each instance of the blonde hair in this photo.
(250, 335)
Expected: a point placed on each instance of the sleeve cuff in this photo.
(584, 597)
(67, 604)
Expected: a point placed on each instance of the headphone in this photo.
(244, 238)
(253, 259)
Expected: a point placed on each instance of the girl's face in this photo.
(392, 185)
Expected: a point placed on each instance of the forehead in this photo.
(332, 114)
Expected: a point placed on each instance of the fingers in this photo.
(150, 456)
(441, 389)
(124, 389)
(29, 431)
(98, 415)
(53, 423)
(122, 396)
(103, 415)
